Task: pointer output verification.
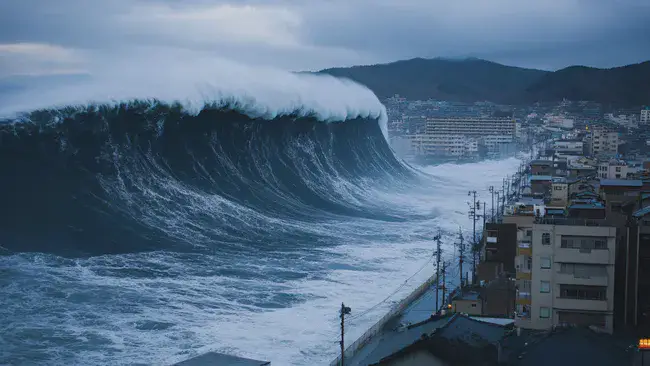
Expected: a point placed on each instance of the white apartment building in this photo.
(461, 136)
(604, 142)
(444, 145)
(567, 277)
(472, 126)
(613, 169)
(568, 147)
(644, 118)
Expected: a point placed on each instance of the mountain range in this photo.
(472, 80)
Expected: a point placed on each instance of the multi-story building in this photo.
(644, 118)
(604, 141)
(567, 275)
(568, 147)
(472, 126)
(463, 134)
(444, 145)
(613, 169)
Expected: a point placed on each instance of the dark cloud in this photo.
(311, 35)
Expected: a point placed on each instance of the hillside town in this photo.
(561, 266)
(432, 131)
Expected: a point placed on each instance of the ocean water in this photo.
(144, 232)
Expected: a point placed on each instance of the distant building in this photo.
(460, 136)
(604, 141)
(569, 277)
(559, 192)
(613, 169)
(568, 147)
(644, 118)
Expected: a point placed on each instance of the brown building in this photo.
(633, 275)
(501, 245)
(541, 167)
(498, 298)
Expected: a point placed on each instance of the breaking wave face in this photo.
(142, 230)
(147, 175)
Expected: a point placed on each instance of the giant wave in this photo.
(145, 219)
(147, 175)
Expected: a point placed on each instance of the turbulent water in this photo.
(141, 233)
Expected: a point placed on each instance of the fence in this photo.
(375, 329)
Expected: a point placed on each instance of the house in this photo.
(541, 167)
(462, 341)
(468, 303)
(220, 359)
(541, 184)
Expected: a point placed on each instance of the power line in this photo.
(357, 316)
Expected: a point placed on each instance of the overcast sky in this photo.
(73, 36)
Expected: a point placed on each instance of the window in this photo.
(545, 262)
(580, 292)
(618, 169)
(546, 238)
(544, 312)
(473, 305)
(529, 233)
(545, 286)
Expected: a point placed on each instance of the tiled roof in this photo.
(214, 358)
(620, 183)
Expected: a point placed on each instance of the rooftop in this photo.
(474, 335)
(571, 346)
(620, 183)
(541, 163)
(540, 178)
(220, 359)
(470, 296)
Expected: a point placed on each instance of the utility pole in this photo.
(438, 252)
(444, 285)
(497, 194)
(344, 310)
(492, 192)
(473, 216)
(461, 255)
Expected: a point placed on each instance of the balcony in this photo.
(524, 248)
(574, 304)
(570, 255)
(523, 298)
(571, 279)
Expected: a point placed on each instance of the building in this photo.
(472, 126)
(461, 136)
(567, 277)
(541, 167)
(444, 145)
(214, 358)
(634, 274)
(500, 245)
(613, 169)
(541, 184)
(569, 147)
(604, 141)
(468, 303)
(644, 118)
(462, 341)
(559, 192)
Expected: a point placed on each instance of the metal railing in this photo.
(369, 334)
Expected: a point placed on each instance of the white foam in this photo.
(261, 91)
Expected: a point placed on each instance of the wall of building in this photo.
(548, 308)
(470, 307)
(418, 357)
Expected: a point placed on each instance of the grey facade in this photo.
(572, 276)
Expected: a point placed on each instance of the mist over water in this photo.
(149, 231)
